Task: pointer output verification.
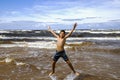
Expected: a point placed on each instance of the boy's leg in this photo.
(53, 68)
(70, 65)
(55, 59)
(66, 59)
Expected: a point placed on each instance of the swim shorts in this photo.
(60, 54)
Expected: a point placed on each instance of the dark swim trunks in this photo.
(60, 54)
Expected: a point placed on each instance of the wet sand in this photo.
(94, 61)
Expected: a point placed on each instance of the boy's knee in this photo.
(68, 62)
(54, 62)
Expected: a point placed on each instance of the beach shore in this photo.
(94, 61)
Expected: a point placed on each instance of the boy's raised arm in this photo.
(49, 29)
(74, 26)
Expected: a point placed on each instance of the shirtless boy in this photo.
(60, 52)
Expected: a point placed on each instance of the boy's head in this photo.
(62, 33)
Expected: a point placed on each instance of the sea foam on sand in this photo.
(38, 44)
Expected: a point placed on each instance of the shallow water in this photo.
(95, 60)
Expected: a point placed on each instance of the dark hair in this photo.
(62, 31)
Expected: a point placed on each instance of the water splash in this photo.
(20, 63)
(53, 77)
(8, 60)
(12, 60)
(70, 77)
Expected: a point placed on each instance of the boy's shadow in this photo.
(82, 77)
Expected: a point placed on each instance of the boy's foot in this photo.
(77, 73)
(51, 73)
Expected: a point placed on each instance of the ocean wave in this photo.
(45, 44)
(40, 44)
(31, 39)
(45, 33)
(50, 42)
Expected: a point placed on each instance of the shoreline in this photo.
(95, 61)
(29, 58)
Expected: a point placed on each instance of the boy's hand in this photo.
(49, 29)
(74, 25)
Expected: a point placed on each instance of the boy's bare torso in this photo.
(60, 43)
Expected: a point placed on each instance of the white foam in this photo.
(99, 31)
(8, 60)
(53, 77)
(40, 44)
(70, 77)
(94, 38)
(2, 31)
(33, 38)
(20, 63)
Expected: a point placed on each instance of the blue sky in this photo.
(51, 12)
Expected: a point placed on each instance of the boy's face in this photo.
(62, 34)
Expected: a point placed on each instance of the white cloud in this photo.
(52, 11)
(15, 12)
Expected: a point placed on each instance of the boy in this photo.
(60, 52)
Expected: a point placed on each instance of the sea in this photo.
(27, 55)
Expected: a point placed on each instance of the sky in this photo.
(37, 14)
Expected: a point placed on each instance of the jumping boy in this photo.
(60, 52)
